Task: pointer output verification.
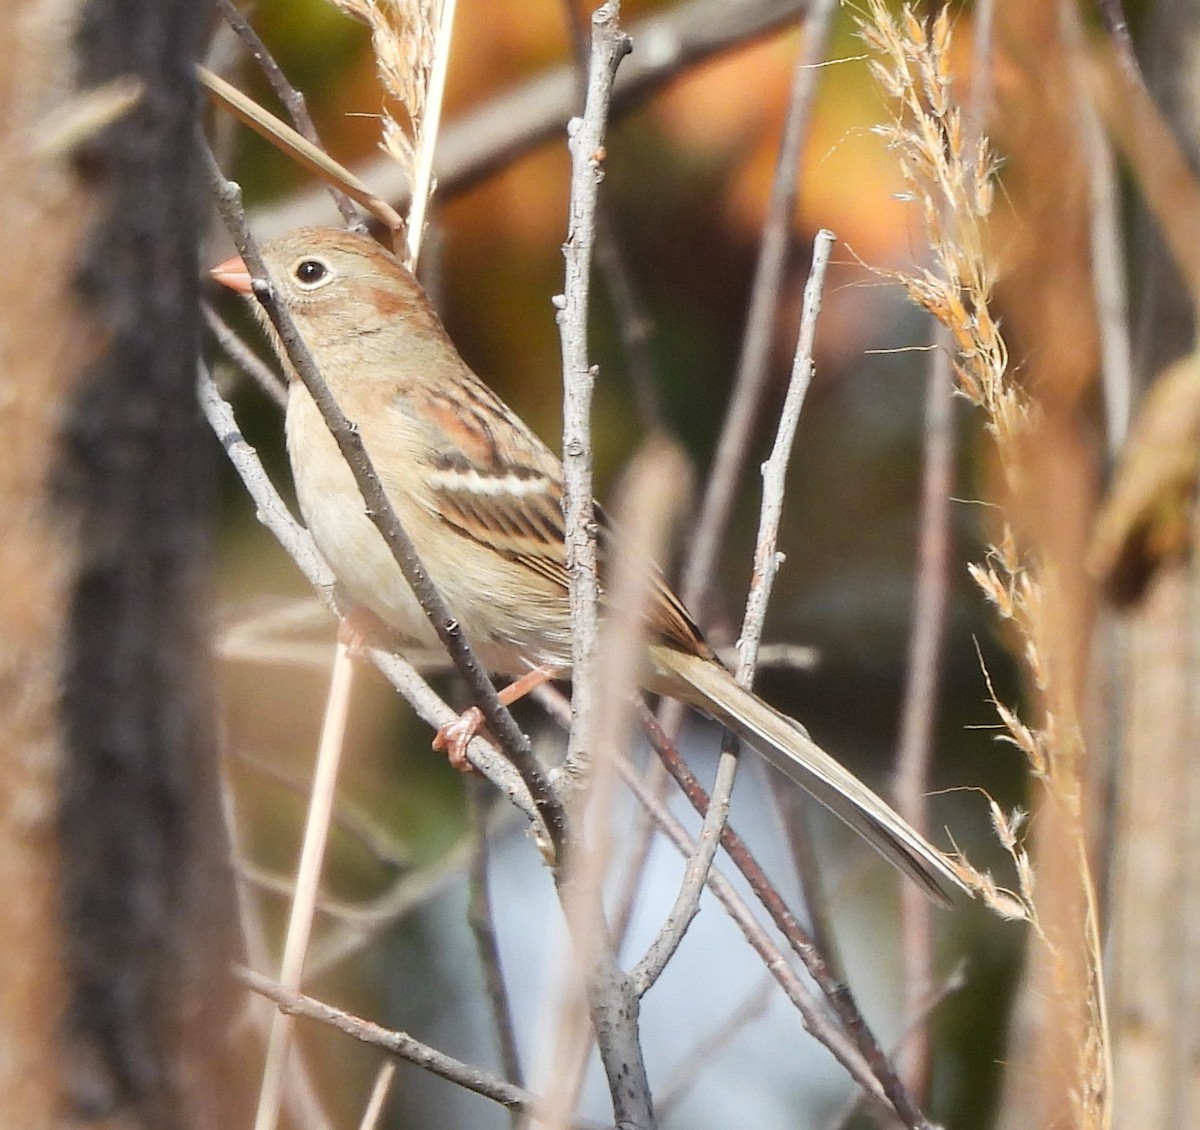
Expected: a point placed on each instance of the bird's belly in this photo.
(510, 617)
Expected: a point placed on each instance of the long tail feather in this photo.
(703, 683)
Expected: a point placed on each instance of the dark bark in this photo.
(147, 893)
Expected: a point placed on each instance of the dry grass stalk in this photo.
(952, 183)
(405, 42)
(403, 35)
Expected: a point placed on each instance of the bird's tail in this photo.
(787, 746)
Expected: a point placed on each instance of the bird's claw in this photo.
(454, 737)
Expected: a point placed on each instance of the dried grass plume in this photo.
(950, 176)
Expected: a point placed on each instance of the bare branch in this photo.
(1169, 187)
(292, 99)
(271, 509)
(925, 645)
(479, 916)
(633, 322)
(358, 926)
(1109, 269)
(611, 998)
(931, 598)
(774, 472)
(244, 358)
(398, 1044)
(586, 134)
(766, 564)
(697, 1061)
(374, 839)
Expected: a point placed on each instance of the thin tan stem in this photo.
(308, 877)
(430, 127)
(379, 1094)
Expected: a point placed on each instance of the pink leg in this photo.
(454, 737)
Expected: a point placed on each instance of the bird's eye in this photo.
(311, 272)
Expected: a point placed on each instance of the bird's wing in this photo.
(515, 509)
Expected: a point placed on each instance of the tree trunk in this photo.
(116, 1005)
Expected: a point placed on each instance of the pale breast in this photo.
(511, 617)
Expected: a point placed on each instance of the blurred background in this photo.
(689, 169)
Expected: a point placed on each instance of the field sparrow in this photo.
(480, 496)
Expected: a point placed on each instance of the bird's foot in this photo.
(454, 737)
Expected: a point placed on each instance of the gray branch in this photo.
(399, 1044)
(766, 564)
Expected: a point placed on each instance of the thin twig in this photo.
(483, 927)
(633, 322)
(794, 814)
(398, 1044)
(766, 564)
(293, 100)
(303, 1103)
(357, 927)
(1107, 245)
(272, 511)
(375, 840)
(715, 817)
(836, 992)
(245, 358)
(514, 743)
(774, 472)
(611, 998)
(586, 144)
(642, 837)
(482, 754)
(705, 1051)
(308, 878)
(1169, 187)
(643, 834)
(752, 370)
(379, 1094)
(505, 128)
(914, 754)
